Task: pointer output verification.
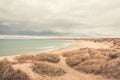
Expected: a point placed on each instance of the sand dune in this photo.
(91, 59)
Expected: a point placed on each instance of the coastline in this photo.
(74, 45)
(46, 50)
(66, 57)
(17, 47)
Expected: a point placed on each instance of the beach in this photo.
(84, 59)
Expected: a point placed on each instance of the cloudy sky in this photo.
(89, 18)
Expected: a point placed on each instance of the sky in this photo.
(76, 18)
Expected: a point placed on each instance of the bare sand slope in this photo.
(50, 67)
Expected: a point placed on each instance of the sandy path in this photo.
(72, 74)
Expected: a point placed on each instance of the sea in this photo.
(10, 47)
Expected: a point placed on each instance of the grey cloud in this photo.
(63, 17)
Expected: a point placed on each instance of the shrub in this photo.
(46, 69)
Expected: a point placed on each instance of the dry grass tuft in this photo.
(15, 75)
(76, 59)
(75, 52)
(112, 68)
(47, 57)
(5, 65)
(100, 56)
(24, 58)
(46, 69)
(91, 66)
(39, 57)
(8, 73)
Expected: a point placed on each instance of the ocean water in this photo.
(20, 46)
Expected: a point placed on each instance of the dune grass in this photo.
(15, 75)
(53, 58)
(112, 68)
(46, 69)
(97, 61)
(91, 66)
(76, 59)
(75, 52)
(8, 73)
(5, 65)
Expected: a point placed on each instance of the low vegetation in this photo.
(38, 57)
(97, 61)
(91, 66)
(75, 52)
(24, 58)
(8, 73)
(112, 68)
(76, 59)
(5, 65)
(46, 69)
(47, 57)
(15, 75)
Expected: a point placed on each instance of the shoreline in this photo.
(47, 50)
(81, 60)
(74, 45)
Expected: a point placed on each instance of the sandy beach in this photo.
(85, 59)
